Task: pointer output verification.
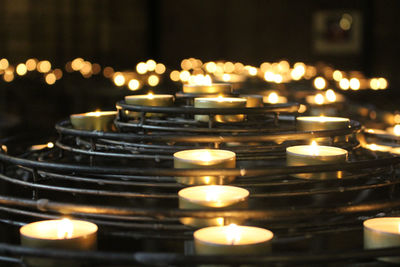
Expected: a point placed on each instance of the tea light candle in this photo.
(382, 233)
(395, 130)
(203, 159)
(320, 123)
(220, 102)
(316, 155)
(60, 234)
(253, 101)
(149, 100)
(395, 151)
(212, 196)
(378, 148)
(210, 89)
(94, 121)
(233, 240)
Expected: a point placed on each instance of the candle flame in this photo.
(65, 229)
(205, 156)
(220, 98)
(221, 220)
(150, 95)
(212, 193)
(273, 98)
(396, 129)
(314, 148)
(232, 234)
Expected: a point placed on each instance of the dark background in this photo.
(120, 33)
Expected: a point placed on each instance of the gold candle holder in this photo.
(208, 89)
(316, 155)
(382, 233)
(232, 240)
(94, 121)
(220, 102)
(203, 159)
(148, 100)
(58, 234)
(212, 196)
(321, 123)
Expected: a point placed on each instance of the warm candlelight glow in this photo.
(314, 154)
(319, 99)
(382, 233)
(396, 129)
(344, 84)
(119, 79)
(150, 95)
(58, 229)
(314, 148)
(319, 83)
(204, 158)
(273, 98)
(216, 196)
(233, 234)
(205, 155)
(376, 147)
(65, 229)
(330, 95)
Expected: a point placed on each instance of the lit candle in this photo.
(253, 101)
(220, 102)
(394, 130)
(395, 151)
(209, 88)
(212, 196)
(203, 159)
(379, 148)
(274, 98)
(149, 100)
(382, 233)
(320, 123)
(316, 155)
(59, 234)
(94, 121)
(233, 240)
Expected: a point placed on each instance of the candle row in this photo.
(232, 239)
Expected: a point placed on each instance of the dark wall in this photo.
(122, 32)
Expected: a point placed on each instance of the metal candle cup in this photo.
(382, 233)
(212, 196)
(94, 121)
(209, 89)
(253, 101)
(58, 234)
(149, 100)
(204, 159)
(320, 123)
(220, 102)
(306, 155)
(232, 240)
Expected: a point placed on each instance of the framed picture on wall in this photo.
(337, 32)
